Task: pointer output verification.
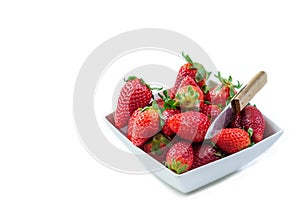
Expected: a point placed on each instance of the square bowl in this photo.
(201, 176)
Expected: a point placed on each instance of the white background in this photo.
(42, 48)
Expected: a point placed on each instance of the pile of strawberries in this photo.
(171, 128)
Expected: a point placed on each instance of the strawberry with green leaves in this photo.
(134, 94)
(189, 96)
(232, 140)
(180, 157)
(157, 147)
(144, 124)
(222, 93)
(191, 125)
(195, 70)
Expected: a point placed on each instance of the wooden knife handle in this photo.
(249, 91)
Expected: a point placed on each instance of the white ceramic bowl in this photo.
(203, 175)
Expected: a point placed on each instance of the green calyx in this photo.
(158, 142)
(177, 166)
(168, 102)
(188, 99)
(205, 89)
(201, 74)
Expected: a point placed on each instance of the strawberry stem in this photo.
(201, 71)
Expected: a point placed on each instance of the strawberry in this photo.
(211, 111)
(232, 140)
(134, 94)
(253, 118)
(250, 117)
(131, 122)
(157, 147)
(189, 97)
(222, 93)
(188, 81)
(204, 154)
(180, 157)
(189, 125)
(236, 122)
(144, 124)
(167, 114)
(185, 70)
(195, 70)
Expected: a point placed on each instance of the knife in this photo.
(238, 102)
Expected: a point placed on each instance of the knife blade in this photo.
(238, 102)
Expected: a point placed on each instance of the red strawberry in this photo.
(131, 122)
(134, 94)
(185, 70)
(250, 117)
(144, 125)
(222, 93)
(195, 70)
(232, 140)
(189, 97)
(188, 81)
(189, 125)
(157, 147)
(211, 111)
(204, 154)
(253, 118)
(167, 114)
(180, 157)
(236, 122)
